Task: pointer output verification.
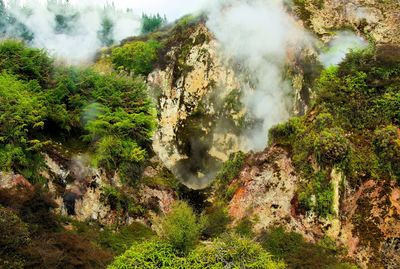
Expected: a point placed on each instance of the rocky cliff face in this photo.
(201, 116)
(366, 219)
(192, 88)
(377, 19)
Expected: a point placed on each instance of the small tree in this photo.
(181, 227)
(105, 34)
(150, 23)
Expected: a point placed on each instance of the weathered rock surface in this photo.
(194, 81)
(201, 115)
(378, 19)
(366, 220)
(78, 189)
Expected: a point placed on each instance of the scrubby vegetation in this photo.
(33, 237)
(111, 113)
(136, 57)
(180, 248)
(181, 228)
(352, 126)
(297, 253)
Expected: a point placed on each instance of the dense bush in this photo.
(136, 57)
(148, 255)
(27, 64)
(181, 227)
(21, 111)
(285, 132)
(387, 147)
(14, 232)
(32, 237)
(230, 252)
(317, 195)
(121, 240)
(111, 113)
(331, 147)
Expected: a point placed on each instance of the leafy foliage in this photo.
(136, 57)
(331, 147)
(32, 237)
(351, 126)
(181, 227)
(27, 64)
(230, 252)
(229, 171)
(121, 240)
(21, 111)
(112, 113)
(387, 147)
(317, 195)
(148, 255)
(14, 232)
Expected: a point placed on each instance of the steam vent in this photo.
(203, 134)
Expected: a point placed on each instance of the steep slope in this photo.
(334, 171)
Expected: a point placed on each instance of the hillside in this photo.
(253, 135)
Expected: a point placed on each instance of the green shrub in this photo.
(318, 195)
(331, 147)
(148, 255)
(324, 121)
(181, 227)
(389, 104)
(285, 132)
(232, 251)
(121, 240)
(387, 148)
(136, 57)
(22, 111)
(26, 63)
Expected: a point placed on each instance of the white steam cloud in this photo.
(79, 41)
(86, 17)
(259, 35)
(341, 44)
